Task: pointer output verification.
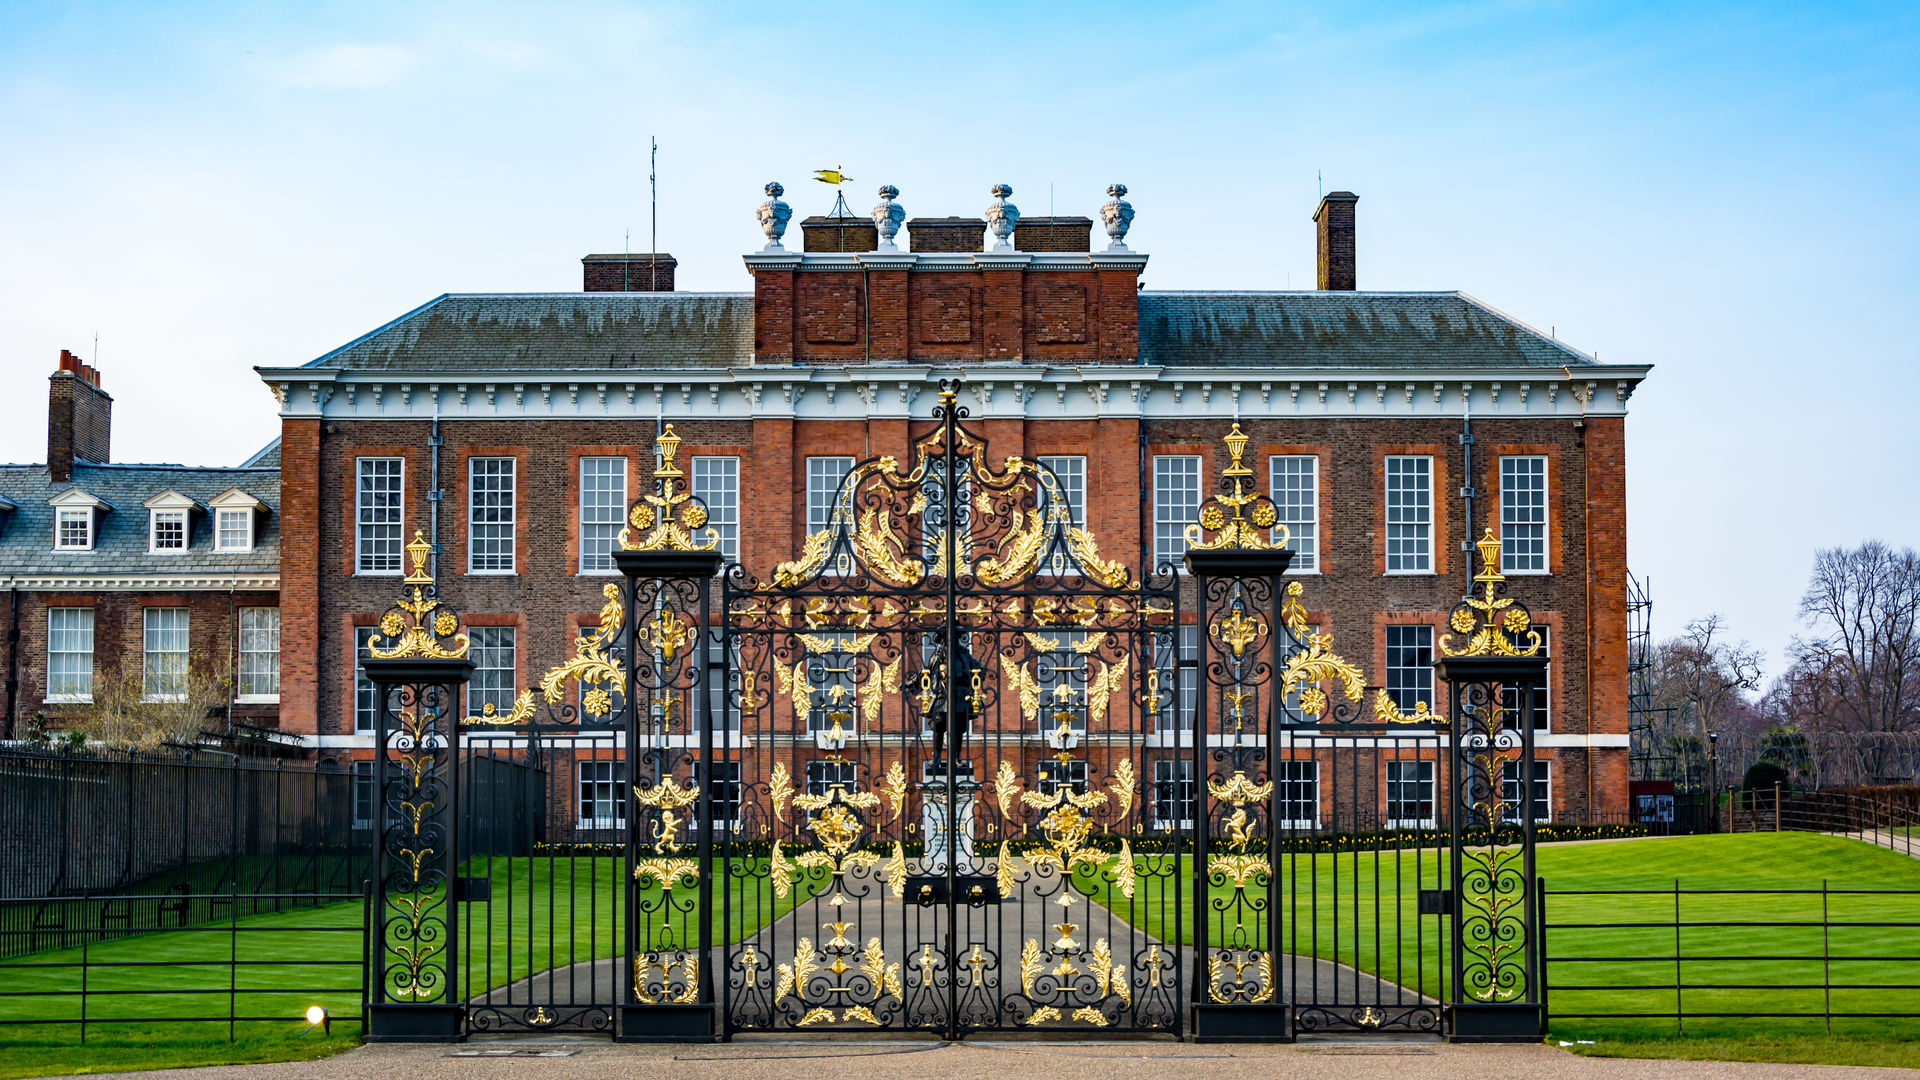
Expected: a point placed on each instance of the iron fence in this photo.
(1885, 824)
(166, 841)
(1692, 955)
(219, 968)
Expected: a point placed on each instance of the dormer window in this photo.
(169, 523)
(169, 530)
(236, 518)
(76, 520)
(74, 532)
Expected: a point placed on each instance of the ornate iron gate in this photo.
(953, 770)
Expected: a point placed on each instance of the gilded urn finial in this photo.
(418, 626)
(670, 518)
(1254, 517)
(1494, 625)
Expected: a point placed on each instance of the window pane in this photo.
(603, 509)
(235, 530)
(1510, 695)
(491, 650)
(259, 652)
(1297, 784)
(363, 795)
(1511, 795)
(716, 481)
(380, 515)
(1409, 794)
(165, 667)
(364, 702)
(1409, 514)
(823, 483)
(1410, 666)
(1176, 504)
(603, 803)
(1295, 491)
(1173, 793)
(69, 653)
(1523, 515)
(169, 530)
(75, 529)
(490, 514)
(1070, 471)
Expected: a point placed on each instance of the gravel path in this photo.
(885, 1059)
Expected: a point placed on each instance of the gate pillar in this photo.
(1236, 555)
(418, 666)
(669, 557)
(1493, 670)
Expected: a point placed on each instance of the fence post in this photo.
(1679, 1011)
(1540, 924)
(85, 905)
(1826, 958)
(1776, 806)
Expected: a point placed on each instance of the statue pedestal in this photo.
(934, 817)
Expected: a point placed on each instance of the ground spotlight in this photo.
(317, 1018)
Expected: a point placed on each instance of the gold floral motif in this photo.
(1239, 790)
(672, 516)
(1238, 631)
(779, 789)
(1385, 711)
(1492, 621)
(1315, 664)
(1213, 531)
(431, 633)
(1239, 869)
(879, 543)
(1122, 784)
(894, 785)
(647, 963)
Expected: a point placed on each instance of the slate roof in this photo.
(600, 331)
(26, 540)
(468, 332)
(1338, 329)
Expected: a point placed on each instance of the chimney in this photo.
(838, 233)
(79, 418)
(947, 235)
(629, 273)
(1333, 223)
(1055, 234)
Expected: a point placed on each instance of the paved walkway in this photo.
(888, 1059)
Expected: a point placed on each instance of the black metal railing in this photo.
(1684, 955)
(1885, 824)
(218, 968)
(189, 832)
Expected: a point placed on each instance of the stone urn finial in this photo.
(1002, 216)
(1118, 216)
(774, 216)
(887, 217)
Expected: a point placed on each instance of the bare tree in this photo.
(1858, 668)
(126, 712)
(1699, 681)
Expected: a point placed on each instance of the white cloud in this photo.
(345, 67)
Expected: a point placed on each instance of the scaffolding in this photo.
(1649, 757)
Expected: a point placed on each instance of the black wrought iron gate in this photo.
(953, 770)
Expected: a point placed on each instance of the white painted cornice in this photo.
(188, 582)
(1007, 390)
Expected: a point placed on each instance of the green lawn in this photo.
(308, 949)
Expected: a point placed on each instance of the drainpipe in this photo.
(434, 493)
(13, 655)
(1586, 544)
(233, 659)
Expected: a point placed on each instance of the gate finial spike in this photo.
(669, 517)
(1249, 528)
(1495, 625)
(418, 625)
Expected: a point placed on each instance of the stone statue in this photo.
(774, 216)
(1002, 216)
(1118, 216)
(887, 217)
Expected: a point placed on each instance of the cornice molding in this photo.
(884, 390)
(76, 582)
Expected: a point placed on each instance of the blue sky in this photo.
(1727, 192)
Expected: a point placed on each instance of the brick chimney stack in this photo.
(79, 418)
(628, 273)
(1333, 226)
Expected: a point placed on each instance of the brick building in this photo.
(156, 573)
(1392, 428)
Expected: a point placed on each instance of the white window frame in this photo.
(1412, 697)
(481, 481)
(845, 775)
(825, 473)
(64, 514)
(155, 518)
(364, 687)
(1424, 774)
(1411, 551)
(606, 787)
(485, 644)
(1518, 512)
(1290, 775)
(220, 517)
(1168, 771)
(1300, 510)
(269, 658)
(593, 558)
(368, 563)
(362, 782)
(1509, 697)
(70, 695)
(728, 780)
(1179, 684)
(1053, 772)
(1510, 793)
(1070, 472)
(715, 480)
(1171, 518)
(157, 664)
